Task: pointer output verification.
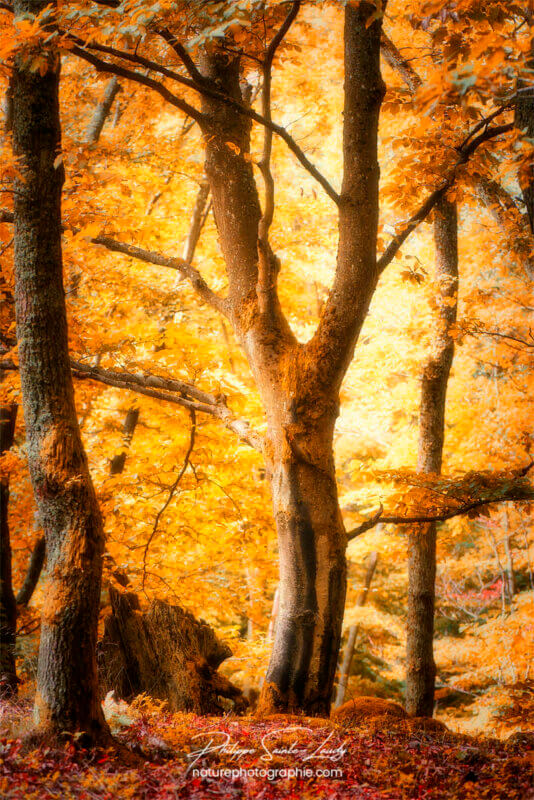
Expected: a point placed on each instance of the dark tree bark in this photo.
(8, 606)
(67, 688)
(420, 667)
(33, 573)
(166, 653)
(524, 119)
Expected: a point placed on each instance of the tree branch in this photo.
(149, 257)
(172, 490)
(397, 62)
(168, 390)
(202, 87)
(133, 75)
(266, 260)
(517, 495)
(465, 151)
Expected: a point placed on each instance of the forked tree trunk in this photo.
(420, 666)
(8, 606)
(67, 691)
(299, 384)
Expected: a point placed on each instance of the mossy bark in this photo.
(67, 697)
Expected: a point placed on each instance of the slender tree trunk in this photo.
(353, 634)
(33, 572)
(67, 690)
(116, 465)
(420, 666)
(8, 606)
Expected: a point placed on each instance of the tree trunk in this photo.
(8, 606)
(353, 634)
(67, 689)
(420, 666)
(311, 542)
(116, 465)
(524, 119)
(299, 385)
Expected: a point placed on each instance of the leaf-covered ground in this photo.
(373, 761)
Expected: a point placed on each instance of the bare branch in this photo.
(149, 257)
(202, 88)
(138, 77)
(168, 390)
(172, 491)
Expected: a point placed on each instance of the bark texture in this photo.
(8, 606)
(420, 666)
(166, 653)
(67, 690)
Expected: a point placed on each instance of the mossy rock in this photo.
(363, 710)
(426, 725)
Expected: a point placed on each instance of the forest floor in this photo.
(192, 757)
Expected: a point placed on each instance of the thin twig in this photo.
(171, 492)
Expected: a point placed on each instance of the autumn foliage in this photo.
(247, 326)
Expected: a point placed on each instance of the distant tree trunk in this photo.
(524, 119)
(101, 113)
(8, 606)
(67, 697)
(353, 634)
(118, 461)
(420, 666)
(510, 577)
(33, 572)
